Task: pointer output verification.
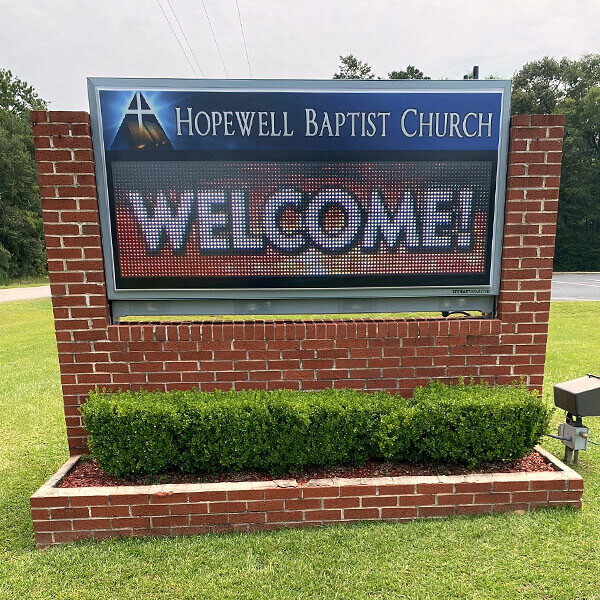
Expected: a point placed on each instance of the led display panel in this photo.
(210, 189)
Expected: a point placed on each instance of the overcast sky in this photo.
(56, 44)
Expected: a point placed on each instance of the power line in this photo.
(185, 38)
(243, 37)
(175, 35)
(215, 39)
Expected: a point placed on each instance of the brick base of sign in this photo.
(63, 515)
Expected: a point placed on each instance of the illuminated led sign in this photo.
(214, 189)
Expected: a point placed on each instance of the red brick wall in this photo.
(68, 514)
(394, 355)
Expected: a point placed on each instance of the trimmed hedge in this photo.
(464, 424)
(147, 433)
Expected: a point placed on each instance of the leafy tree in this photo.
(578, 231)
(21, 238)
(570, 87)
(538, 86)
(352, 68)
(411, 72)
(541, 85)
(17, 96)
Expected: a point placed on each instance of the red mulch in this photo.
(87, 473)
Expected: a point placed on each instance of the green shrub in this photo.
(150, 432)
(146, 433)
(464, 424)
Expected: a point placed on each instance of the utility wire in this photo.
(185, 38)
(178, 41)
(243, 37)
(215, 39)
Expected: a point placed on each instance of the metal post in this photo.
(568, 455)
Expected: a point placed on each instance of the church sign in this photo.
(300, 190)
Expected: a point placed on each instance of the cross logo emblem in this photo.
(138, 110)
(140, 128)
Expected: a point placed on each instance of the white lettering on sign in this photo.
(362, 124)
(164, 222)
(290, 240)
(331, 221)
(228, 123)
(391, 229)
(213, 221)
(437, 225)
(413, 123)
(449, 124)
(343, 237)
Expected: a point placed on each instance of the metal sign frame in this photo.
(300, 300)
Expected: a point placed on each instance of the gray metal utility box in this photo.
(580, 397)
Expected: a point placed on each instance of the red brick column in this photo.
(534, 166)
(63, 146)
(371, 354)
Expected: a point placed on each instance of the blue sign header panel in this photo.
(269, 120)
(334, 188)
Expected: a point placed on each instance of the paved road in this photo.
(565, 286)
(576, 286)
(26, 293)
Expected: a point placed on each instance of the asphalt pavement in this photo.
(565, 286)
(576, 286)
(25, 293)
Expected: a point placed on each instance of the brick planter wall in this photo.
(68, 514)
(394, 355)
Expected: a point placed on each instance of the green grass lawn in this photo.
(26, 282)
(551, 554)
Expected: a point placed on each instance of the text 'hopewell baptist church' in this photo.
(411, 123)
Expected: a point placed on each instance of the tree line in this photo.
(566, 86)
(22, 252)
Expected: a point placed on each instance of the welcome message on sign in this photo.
(267, 219)
(298, 189)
